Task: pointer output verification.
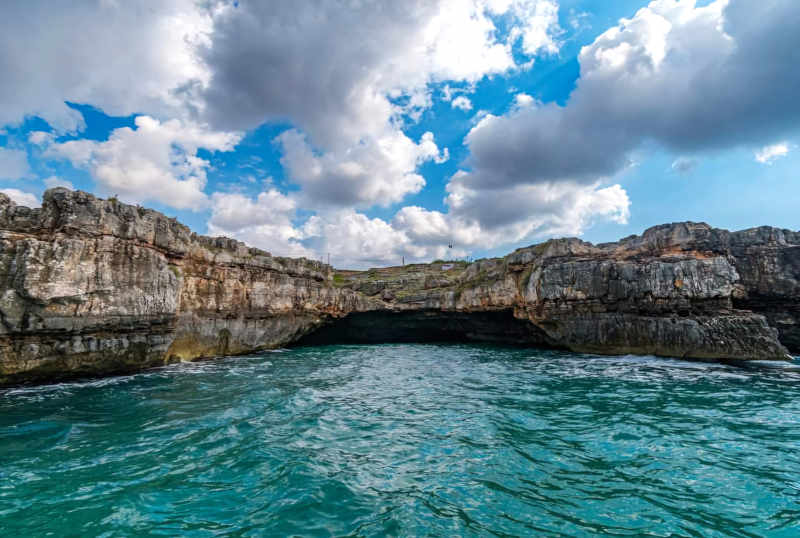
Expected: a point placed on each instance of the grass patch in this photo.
(340, 281)
(454, 262)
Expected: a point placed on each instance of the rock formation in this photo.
(95, 287)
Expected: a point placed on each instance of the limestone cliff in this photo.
(93, 286)
(682, 290)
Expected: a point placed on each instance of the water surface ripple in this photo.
(407, 440)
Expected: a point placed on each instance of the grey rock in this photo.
(96, 287)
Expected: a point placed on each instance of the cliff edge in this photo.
(95, 287)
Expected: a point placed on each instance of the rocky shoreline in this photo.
(98, 287)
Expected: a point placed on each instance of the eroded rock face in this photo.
(91, 286)
(681, 290)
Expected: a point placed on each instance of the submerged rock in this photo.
(95, 287)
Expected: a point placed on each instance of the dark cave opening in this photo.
(426, 326)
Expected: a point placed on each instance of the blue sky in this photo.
(379, 132)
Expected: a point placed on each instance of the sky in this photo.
(379, 131)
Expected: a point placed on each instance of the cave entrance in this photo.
(425, 326)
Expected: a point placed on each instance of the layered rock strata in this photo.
(95, 287)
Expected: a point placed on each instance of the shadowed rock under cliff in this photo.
(95, 287)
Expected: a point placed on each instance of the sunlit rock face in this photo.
(96, 287)
(93, 286)
(674, 291)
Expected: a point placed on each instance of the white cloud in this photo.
(377, 171)
(13, 164)
(522, 100)
(357, 241)
(40, 138)
(22, 198)
(539, 25)
(187, 59)
(364, 87)
(462, 103)
(393, 51)
(232, 67)
(155, 162)
(689, 78)
(53, 181)
(265, 222)
(520, 212)
(354, 240)
(768, 154)
(122, 57)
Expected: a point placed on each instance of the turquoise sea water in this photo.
(407, 440)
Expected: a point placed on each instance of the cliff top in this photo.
(81, 213)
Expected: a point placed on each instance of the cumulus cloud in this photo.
(122, 57)
(22, 198)
(265, 222)
(532, 145)
(355, 240)
(157, 161)
(236, 66)
(524, 213)
(519, 212)
(348, 149)
(768, 154)
(40, 138)
(689, 77)
(377, 171)
(461, 102)
(13, 163)
(352, 238)
(349, 98)
(539, 29)
(522, 100)
(392, 49)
